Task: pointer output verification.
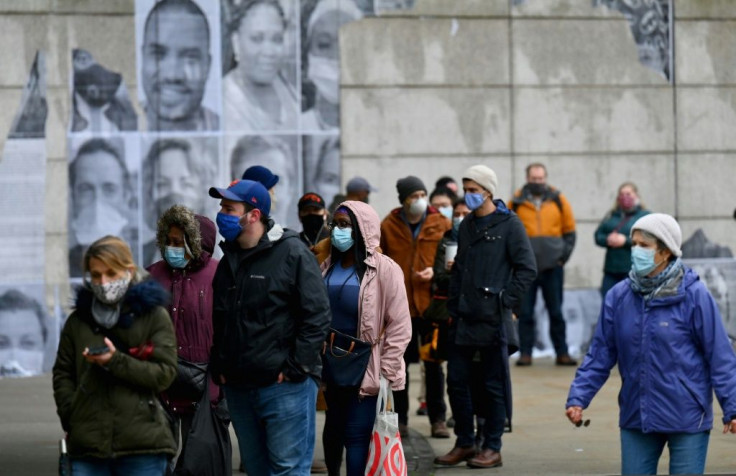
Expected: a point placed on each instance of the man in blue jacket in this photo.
(663, 329)
(270, 317)
(493, 268)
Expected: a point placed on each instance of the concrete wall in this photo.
(453, 83)
(450, 84)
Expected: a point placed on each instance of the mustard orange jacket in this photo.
(550, 227)
(412, 255)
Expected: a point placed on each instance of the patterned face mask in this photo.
(112, 292)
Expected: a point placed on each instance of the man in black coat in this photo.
(270, 317)
(493, 267)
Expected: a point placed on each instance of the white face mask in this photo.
(418, 206)
(96, 221)
(325, 74)
(113, 291)
(20, 363)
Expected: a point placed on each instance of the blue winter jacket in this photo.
(671, 352)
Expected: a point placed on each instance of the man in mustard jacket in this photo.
(550, 225)
(410, 235)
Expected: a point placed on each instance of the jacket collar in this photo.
(140, 299)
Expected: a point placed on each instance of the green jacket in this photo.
(618, 260)
(114, 411)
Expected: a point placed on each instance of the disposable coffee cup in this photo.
(450, 252)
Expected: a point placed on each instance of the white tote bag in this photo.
(386, 455)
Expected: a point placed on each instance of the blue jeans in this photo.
(140, 465)
(460, 377)
(349, 424)
(551, 281)
(640, 452)
(275, 426)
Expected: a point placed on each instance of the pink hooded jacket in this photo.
(383, 308)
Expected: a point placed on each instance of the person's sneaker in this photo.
(439, 430)
(565, 360)
(403, 430)
(524, 360)
(422, 410)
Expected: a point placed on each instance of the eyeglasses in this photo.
(585, 423)
(341, 225)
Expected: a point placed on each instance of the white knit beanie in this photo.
(483, 176)
(664, 227)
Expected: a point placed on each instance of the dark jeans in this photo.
(434, 378)
(460, 376)
(348, 424)
(551, 282)
(140, 465)
(610, 280)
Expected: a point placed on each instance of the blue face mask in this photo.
(446, 211)
(456, 223)
(642, 260)
(474, 200)
(176, 257)
(342, 238)
(229, 226)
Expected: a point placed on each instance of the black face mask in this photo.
(312, 225)
(536, 188)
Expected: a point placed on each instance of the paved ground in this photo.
(543, 442)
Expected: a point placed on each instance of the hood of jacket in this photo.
(368, 223)
(142, 296)
(199, 232)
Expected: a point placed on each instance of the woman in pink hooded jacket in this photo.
(368, 300)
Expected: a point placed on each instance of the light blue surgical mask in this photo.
(342, 238)
(229, 226)
(456, 223)
(446, 211)
(474, 200)
(176, 257)
(642, 260)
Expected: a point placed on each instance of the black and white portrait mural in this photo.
(650, 22)
(100, 100)
(178, 45)
(719, 276)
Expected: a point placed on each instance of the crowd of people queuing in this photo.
(442, 278)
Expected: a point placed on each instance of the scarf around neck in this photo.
(669, 279)
(104, 315)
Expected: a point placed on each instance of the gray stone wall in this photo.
(454, 83)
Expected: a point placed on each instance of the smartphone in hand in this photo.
(99, 350)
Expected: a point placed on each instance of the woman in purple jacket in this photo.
(186, 242)
(663, 329)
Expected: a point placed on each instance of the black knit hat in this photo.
(408, 185)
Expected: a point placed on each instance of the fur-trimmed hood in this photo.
(142, 296)
(199, 232)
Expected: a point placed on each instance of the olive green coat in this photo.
(114, 411)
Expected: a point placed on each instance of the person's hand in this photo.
(574, 414)
(615, 240)
(448, 265)
(222, 380)
(282, 378)
(101, 359)
(730, 427)
(425, 274)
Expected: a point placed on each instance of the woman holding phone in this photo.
(117, 352)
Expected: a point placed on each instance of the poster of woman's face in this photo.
(280, 155)
(27, 336)
(103, 193)
(260, 90)
(322, 164)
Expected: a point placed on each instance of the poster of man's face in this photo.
(100, 101)
(178, 74)
(27, 336)
(280, 155)
(102, 193)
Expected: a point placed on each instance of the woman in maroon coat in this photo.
(186, 242)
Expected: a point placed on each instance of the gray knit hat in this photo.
(408, 185)
(664, 227)
(483, 176)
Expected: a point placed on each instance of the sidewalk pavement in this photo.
(542, 441)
